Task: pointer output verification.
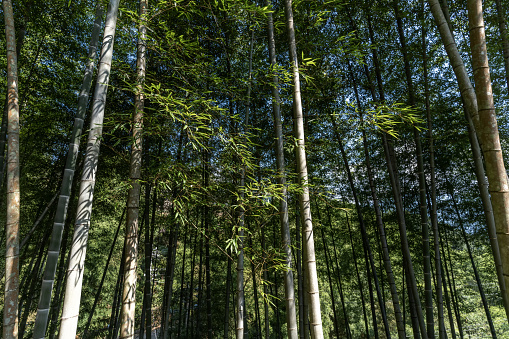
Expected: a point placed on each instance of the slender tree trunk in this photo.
(275, 286)
(207, 220)
(148, 288)
(61, 276)
(503, 36)
(74, 282)
(3, 133)
(241, 330)
(112, 327)
(423, 211)
(365, 242)
(291, 313)
(116, 318)
(300, 280)
(359, 281)
(452, 287)
(10, 322)
(200, 291)
(99, 288)
(226, 329)
(168, 281)
(338, 274)
(446, 294)
(182, 276)
(474, 267)
(479, 106)
(305, 208)
(28, 294)
(381, 229)
(37, 222)
(434, 218)
(257, 331)
(394, 179)
(41, 321)
(127, 316)
(329, 273)
(488, 133)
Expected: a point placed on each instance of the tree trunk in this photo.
(423, 211)
(446, 295)
(182, 277)
(476, 274)
(414, 301)
(305, 208)
(300, 280)
(291, 313)
(359, 281)
(329, 273)
(226, 328)
(148, 293)
(99, 288)
(434, 218)
(338, 274)
(487, 132)
(168, 281)
(10, 322)
(479, 106)
(452, 287)
(72, 296)
(503, 36)
(241, 331)
(28, 294)
(381, 230)
(128, 313)
(41, 321)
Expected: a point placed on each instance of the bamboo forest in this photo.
(254, 169)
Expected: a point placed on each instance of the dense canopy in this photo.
(264, 169)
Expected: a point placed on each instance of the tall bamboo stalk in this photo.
(487, 132)
(414, 299)
(381, 228)
(75, 269)
(503, 36)
(41, 321)
(474, 267)
(423, 210)
(10, 322)
(99, 288)
(291, 313)
(127, 316)
(480, 108)
(305, 206)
